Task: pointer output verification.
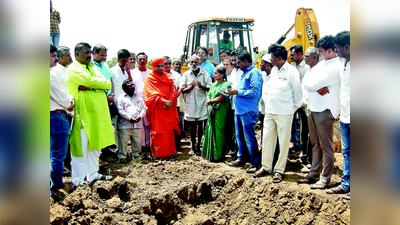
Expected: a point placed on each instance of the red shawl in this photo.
(156, 87)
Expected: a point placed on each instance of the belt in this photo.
(58, 111)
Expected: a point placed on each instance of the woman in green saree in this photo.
(218, 104)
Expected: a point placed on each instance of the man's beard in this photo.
(194, 67)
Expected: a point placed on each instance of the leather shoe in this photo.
(252, 169)
(237, 163)
(261, 172)
(307, 180)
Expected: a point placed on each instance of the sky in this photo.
(159, 28)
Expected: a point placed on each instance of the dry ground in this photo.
(190, 190)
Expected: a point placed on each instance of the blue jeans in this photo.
(55, 39)
(246, 138)
(345, 133)
(59, 132)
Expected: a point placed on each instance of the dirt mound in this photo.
(195, 191)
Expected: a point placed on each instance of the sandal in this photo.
(191, 153)
(277, 178)
(346, 196)
(336, 190)
(319, 185)
(261, 172)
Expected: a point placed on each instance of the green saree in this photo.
(214, 146)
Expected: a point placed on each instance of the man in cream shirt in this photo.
(282, 96)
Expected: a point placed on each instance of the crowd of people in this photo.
(94, 107)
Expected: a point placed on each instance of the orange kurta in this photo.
(162, 122)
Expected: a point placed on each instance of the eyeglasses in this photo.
(201, 52)
(167, 63)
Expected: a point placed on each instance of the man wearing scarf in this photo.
(160, 98)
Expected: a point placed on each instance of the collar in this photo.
(90, 65)
(302, 63)
(99, 64)
(205, 62)
(200, 72)
(248, 68)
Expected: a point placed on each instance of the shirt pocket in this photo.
(281, 84)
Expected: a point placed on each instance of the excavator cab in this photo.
(234, 34)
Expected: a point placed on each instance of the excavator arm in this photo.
(306, 32)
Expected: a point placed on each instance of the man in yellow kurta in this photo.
(92, 129)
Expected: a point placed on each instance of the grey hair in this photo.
(196, 57)
(62, 50)
(228, 58)
(313, 51)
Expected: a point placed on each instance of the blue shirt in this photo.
(249, 91)
(208, 67)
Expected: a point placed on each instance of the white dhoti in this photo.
(86, 166)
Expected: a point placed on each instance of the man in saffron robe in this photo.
(160, 98)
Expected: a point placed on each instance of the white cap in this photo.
(267, 58)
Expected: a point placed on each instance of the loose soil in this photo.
(185, 190)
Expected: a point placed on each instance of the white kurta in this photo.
(196, 98)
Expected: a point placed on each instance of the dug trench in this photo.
(191, 190)
(195, 191)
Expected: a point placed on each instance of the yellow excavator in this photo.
(209, 33)
(306, 32)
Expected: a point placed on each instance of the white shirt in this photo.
(59, 97)
(234, 79)
(304, 100)
(63, 69)
(118, 76)
(139, 77)
(130, 107)
(282, 94)
(324, 74)
(345, 94)
(261, 104)
(196, 98)
(302, 68)
(176, 77)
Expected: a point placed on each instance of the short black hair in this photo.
(297, 49)
(123, 53)
(53, 48)
(81, 45)
(141, 53)
(125, 82)
(278, 51)
(98, 48)
(342, 38)
(226, 34)
(327, 42)
(202, 47)
(227, 51)
(245, 56)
